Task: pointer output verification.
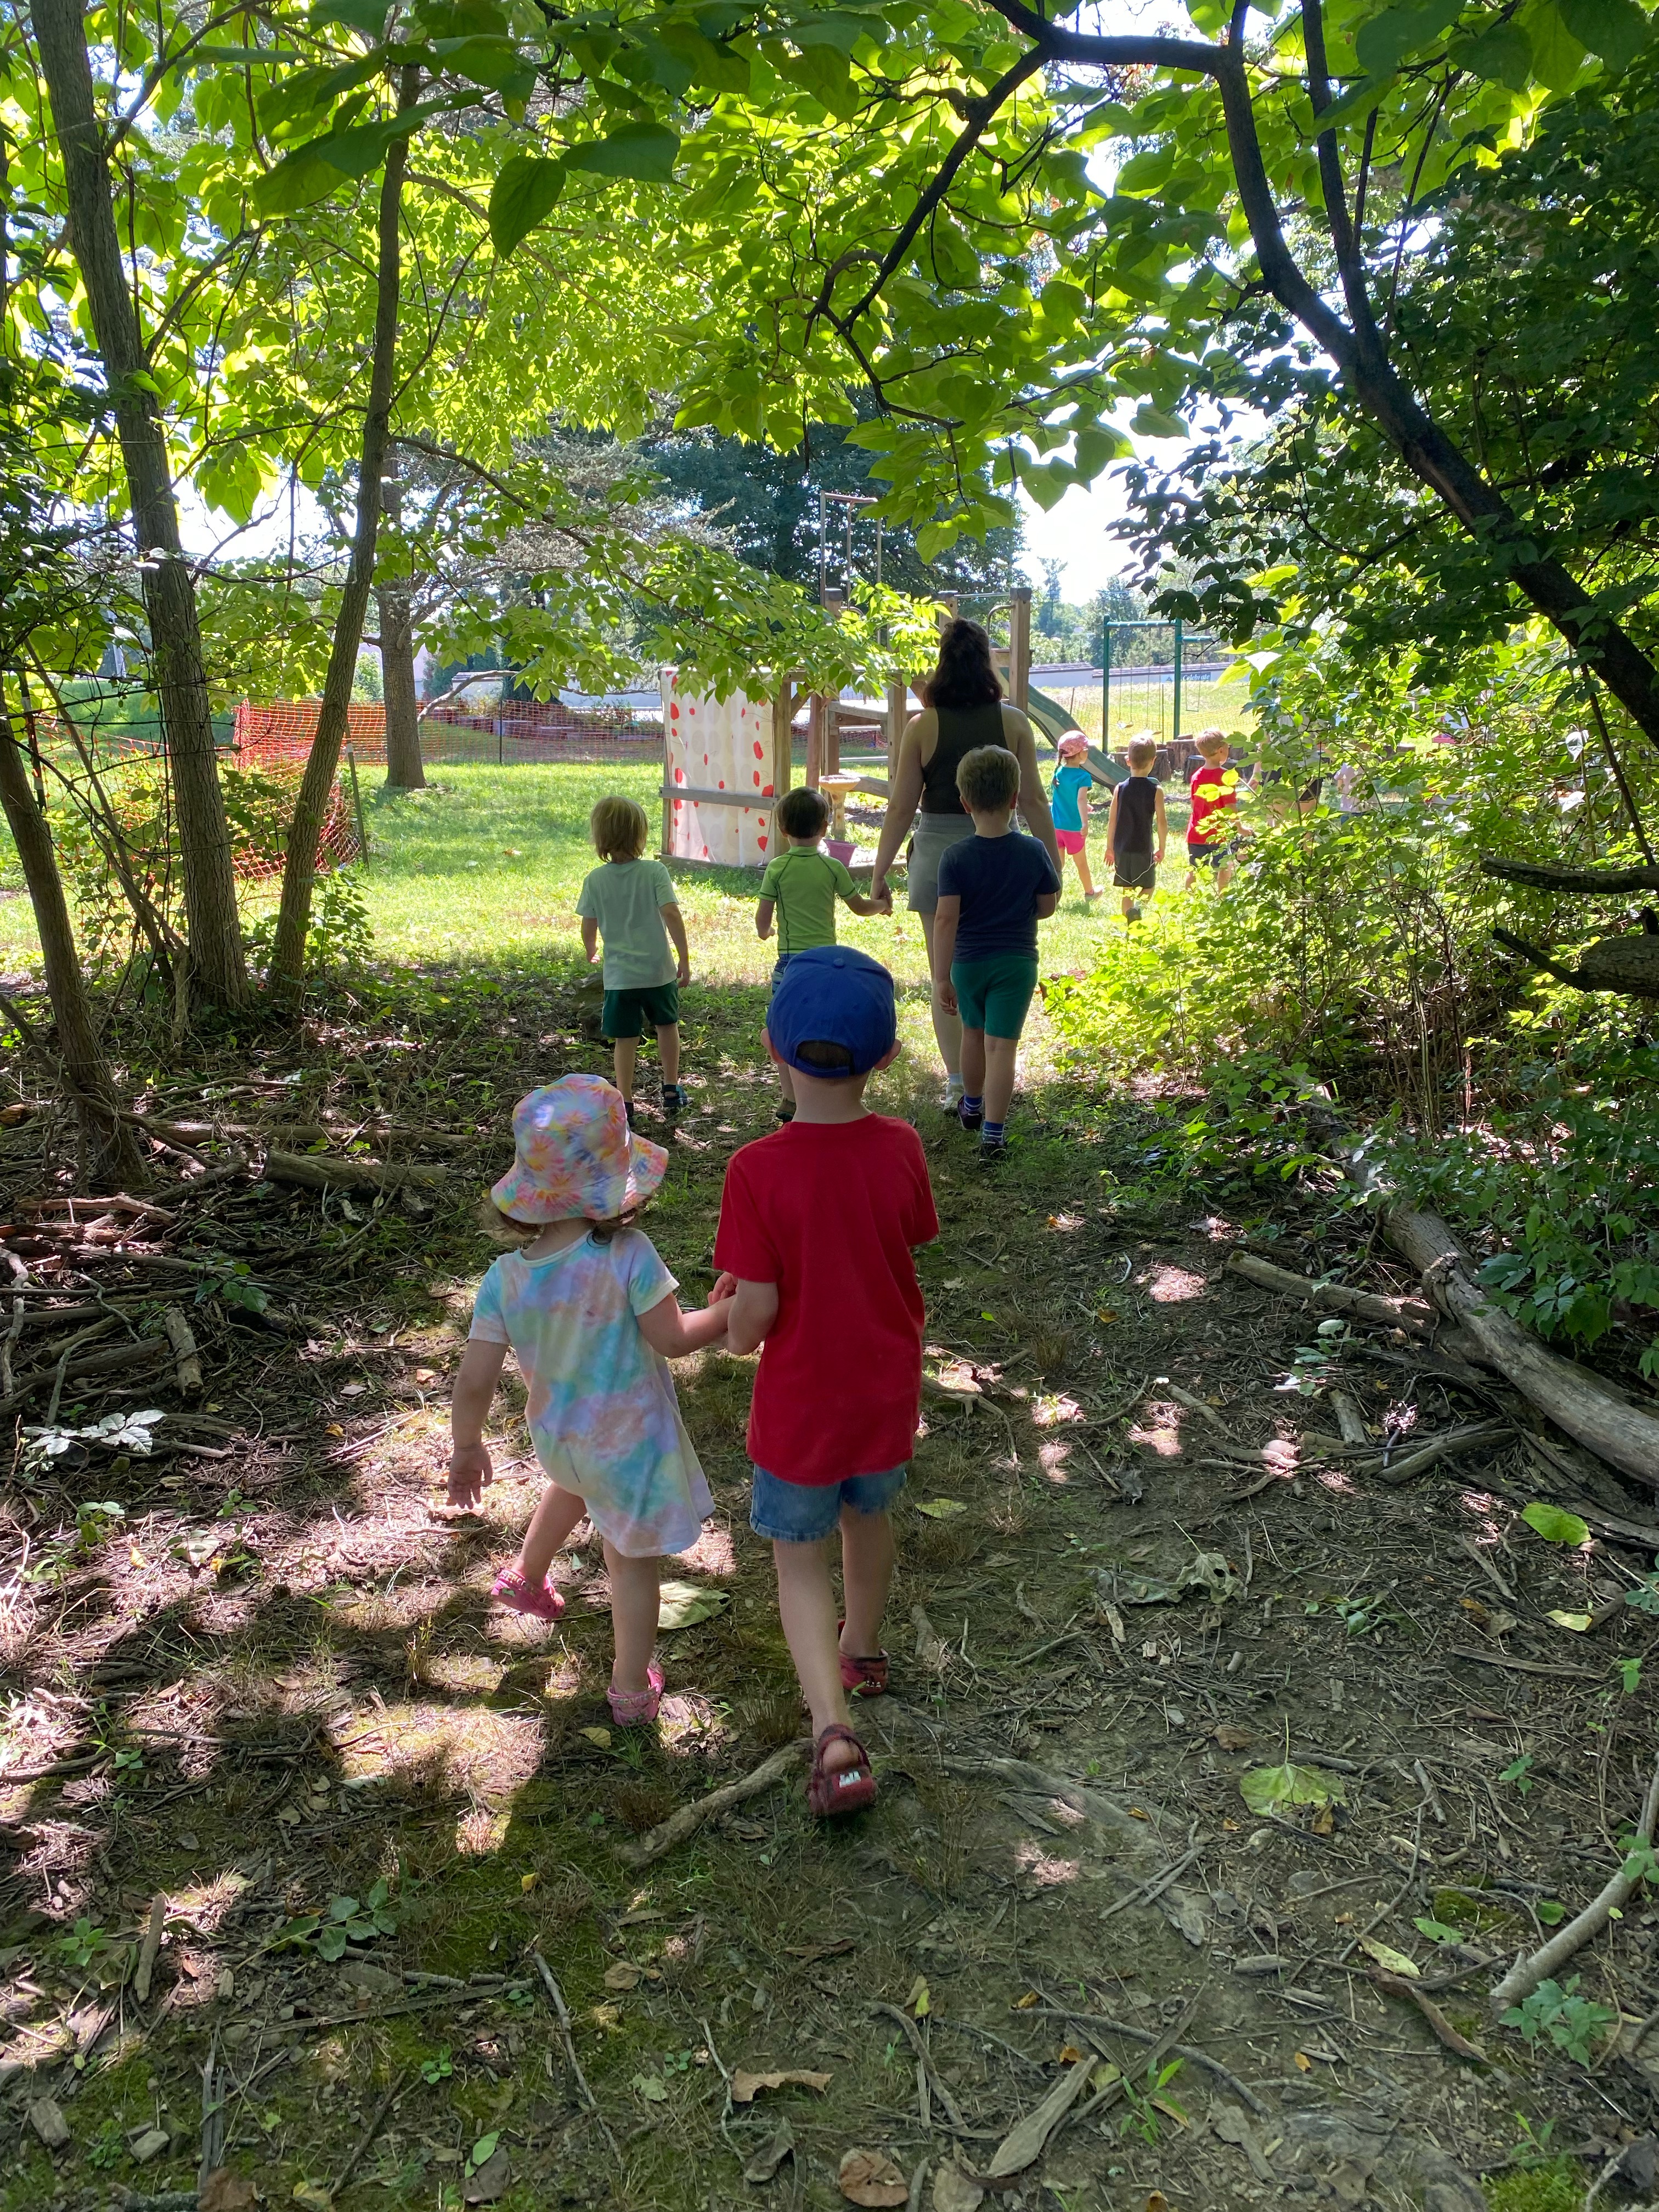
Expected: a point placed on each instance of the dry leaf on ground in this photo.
(771, 2154)
(870, 2177)
(225, 2192)
(745, 2087)
(1024, 2143)
(954, 2192)
(490, 2180)
(1390, 1960)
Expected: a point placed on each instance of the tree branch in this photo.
(979, 112)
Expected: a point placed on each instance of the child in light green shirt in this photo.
(800, 888)
(629, 903)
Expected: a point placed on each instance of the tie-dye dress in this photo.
(603, 1415)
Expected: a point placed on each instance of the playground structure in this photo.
(727, 763)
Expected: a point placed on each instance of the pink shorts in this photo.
(1071, 840)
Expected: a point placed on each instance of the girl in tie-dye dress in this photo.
(589, 1311)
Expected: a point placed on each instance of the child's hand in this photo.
(470, 1471)
(725, 1286)
(1109, 862)
(881, 900)
(683, 972)
(947, 995)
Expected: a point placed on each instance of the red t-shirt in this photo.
(828, 1211)
(1213, 790)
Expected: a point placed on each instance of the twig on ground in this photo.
(377, 2120)
(213, 2117)
(935, 2081)
(148, 1949)
(1453, 1442)
(1415, 1313)
(561, 2013)
(1190, 2051)
(689, 1818)
(1467, 1544)
(186, 1359)
(1443, 2032)
(1526, 1973)
(1146, 1893)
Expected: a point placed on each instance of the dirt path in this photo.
(1135, 1568)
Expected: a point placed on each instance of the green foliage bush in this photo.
(1353, 950)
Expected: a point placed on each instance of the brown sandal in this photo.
(849, 1789)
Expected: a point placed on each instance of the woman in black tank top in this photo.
(964, 710)
(960, 730)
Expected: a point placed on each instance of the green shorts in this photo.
(629, 1013)
(994, 994)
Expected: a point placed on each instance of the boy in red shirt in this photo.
(1212, 828)
(816, 1228)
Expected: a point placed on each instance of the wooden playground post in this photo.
(783, 743)
(1019, 646)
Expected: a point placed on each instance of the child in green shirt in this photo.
(629, 903)
(800, 887)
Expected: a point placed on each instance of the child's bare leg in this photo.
(947, 1028)
(973, 1062)
(866, 1576)
(636, 1600)
(1224, 875)
(627, 1052)
(550, 1525)
(806, 1606)
(1001, 1061)
(1128, 906)
(1083, 875)
(668, 1051)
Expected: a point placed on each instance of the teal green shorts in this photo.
(629, 1013)
(994, 994)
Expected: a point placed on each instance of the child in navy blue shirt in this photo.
(994, 889)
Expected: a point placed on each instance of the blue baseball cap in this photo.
(833, 994)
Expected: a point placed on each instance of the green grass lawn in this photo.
(482, 870)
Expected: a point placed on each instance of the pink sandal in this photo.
(862, 1678)
(848, 1788)
(511, 1589)
(633, 1708)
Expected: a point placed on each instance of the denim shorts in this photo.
(806, 1512)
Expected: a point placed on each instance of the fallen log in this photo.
(318, 1171)
(1628, 964)
(1624, 1434)
(1544, 879)
(1416, 1314)
(1593, 1411)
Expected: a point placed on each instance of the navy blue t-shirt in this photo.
(998, 881)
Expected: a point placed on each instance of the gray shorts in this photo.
(932, 836)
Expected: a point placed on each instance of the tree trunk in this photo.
(300, 871)
(405, 769)
(112, 1150)
(215, 941)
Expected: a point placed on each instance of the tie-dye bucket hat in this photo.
(577, 1156)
